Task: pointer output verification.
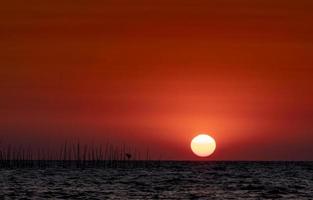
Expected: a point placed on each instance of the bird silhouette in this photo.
(128, 156)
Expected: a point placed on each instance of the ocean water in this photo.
(167, 180)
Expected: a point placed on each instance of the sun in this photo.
(203, 145)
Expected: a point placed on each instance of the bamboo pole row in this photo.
(73, 155)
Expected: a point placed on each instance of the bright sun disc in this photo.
(203, 145)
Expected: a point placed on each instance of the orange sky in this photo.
(155, 73)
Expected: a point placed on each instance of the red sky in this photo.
(155, 73)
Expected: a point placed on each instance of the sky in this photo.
(154, 74)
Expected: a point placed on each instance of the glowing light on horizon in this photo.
(203, 145)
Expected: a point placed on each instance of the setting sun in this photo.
(203, 145)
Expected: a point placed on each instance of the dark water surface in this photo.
(170, 180)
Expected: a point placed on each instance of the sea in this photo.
(164, 180)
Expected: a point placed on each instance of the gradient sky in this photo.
(153, 74)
